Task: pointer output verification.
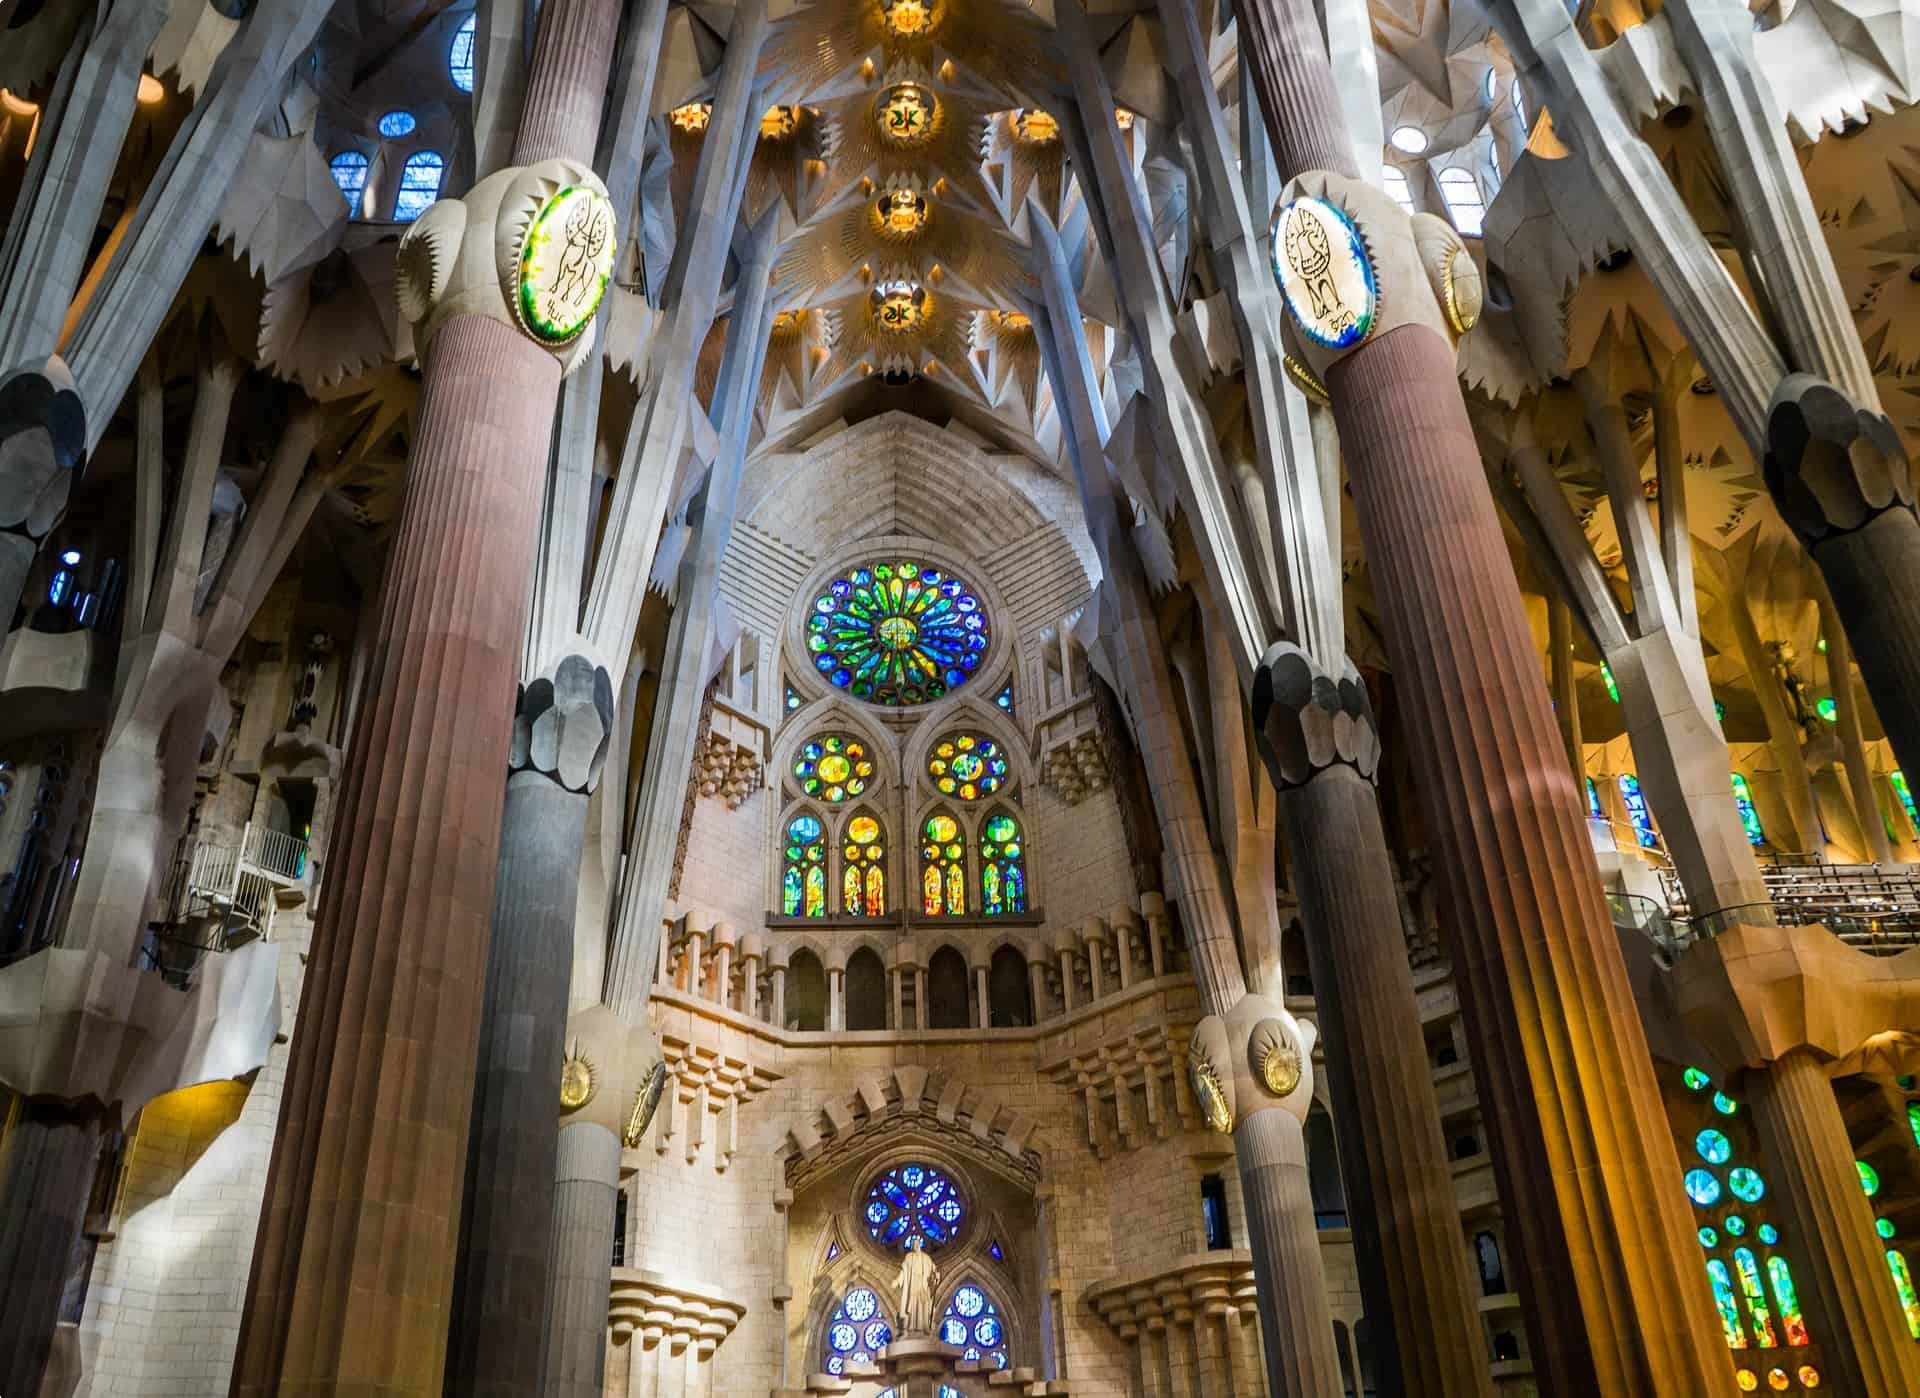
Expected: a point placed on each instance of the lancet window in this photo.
(863, 866)
(419, 185)
(971, 1321)
(943, 873)
(803, 877)
(1003, 866)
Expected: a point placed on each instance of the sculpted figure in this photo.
(918, 1278)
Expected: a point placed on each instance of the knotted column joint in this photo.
(1832, 466)
(563, 723)
(1307, 721)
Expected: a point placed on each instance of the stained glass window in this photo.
(1593, 801)
(1869, 1178)
(350, 173)
(397, 124)
(967, 766)
(1787, 1298)
(1713, 1146)
(792, 699)
(833, 767)
(1905, 793)
(914, 1202)
(857, 1332)
(1695, 1079)
(1005, 697)
(1395, 180)
(803, 878)
(943, 879)
(1003, 866)
(1903, 1289)
(971, 1322)
(419, 185)
(1758, 1315)
(897, 633)
(863, 872)
(1746, 1184)
(1637, 811)
(1724, 1104)
(1749, 817)
(460, 56)
(1702, 1187)
(1913, 1121)
(1606, 678)
(1723, 1301)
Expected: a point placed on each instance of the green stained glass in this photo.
(1709, 1238)
(1913, 1121)
(1735, 1225)
(897, 633)
(1905, 793)
(1746, 1184)
(1713, 1147)
(1869, 1178)
(1696, 1080)
(1884, 1227)
(1749, 817)
(1723, 1302)
(1903, 1288)
(1768, 1234)
(1724, 1104)
(1003, 875)
(1758, 1313)
(1787, 1299)
(1613, 690)
(1826, 708)
(803, 879)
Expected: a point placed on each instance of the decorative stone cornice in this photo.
(705, 1085)
(1832, 466)
(1201, 1284)
(679, 1313)
(562, 724)
(938, 1105)
(1305, 721)
(1149, 1058)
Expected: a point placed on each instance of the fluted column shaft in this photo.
(1294, 1316)
(567, 84)
(46, 1175)
(1581, 1147)
(1841, 1272)
(500, 1292)
(1426, 1335)
(575, 1315)
(1874, 576)
(353, 1269)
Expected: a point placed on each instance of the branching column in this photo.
(1584, 1158)
(1318, 737)
(46, 1174)
(353, 1269)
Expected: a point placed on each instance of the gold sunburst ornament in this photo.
(898, 306)
(1275, 1058)
(910, 19)
(1207, 1090)
(1035, 127)
(906, 114)
(693, 117)
(646, 1100)
(576, 1081)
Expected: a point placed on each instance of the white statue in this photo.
(918, 1278)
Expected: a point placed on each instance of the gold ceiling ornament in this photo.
(1015, 321)
(576, 1081)
(779, 122)
(692, 117)
(646, 1100)
(911, 19)
(906, 113)
(786, 320)
(901, 213)
(1123, 118)
(1035, 127)
(898, 306)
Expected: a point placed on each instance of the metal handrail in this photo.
(275, 851)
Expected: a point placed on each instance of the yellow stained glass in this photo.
(863, 830)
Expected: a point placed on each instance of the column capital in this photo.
(43, 430)
(1254, 1058)
(1831, 465)
(562, 724)
(1306, 721)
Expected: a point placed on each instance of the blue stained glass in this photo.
(998, 1256)
(861, 1303)
(1747, 1186)
(1005, 697)
(969, 1300)
(1713, 1146)
(1637, 810)
(1749, 817)
(419, 185)
(1702, 1188)
(1769, 1235)
(987, 1332)
(970, 1319)
(460, 56)
(876, 1334)
(400, 123)
(914, 1201)
(953, 1331)
(349, 169)
(1593, 800)
(835, 1364)
(843, 1337)
(897, 633)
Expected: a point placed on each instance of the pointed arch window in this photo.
(858, 1330)
(863, 872)
(1749, 817)
(971, 1321)
(1394, 180)
(1637, 811)
(1003, 865)
(1465, 204)
(419, 185)
(349, 169)
(460, 56)
(803, 877)
(943, 877)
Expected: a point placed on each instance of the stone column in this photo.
(1272, 1151)
(1566, 696)
(897, 979)
(561, 731)
(587, 1183)
(1065, 958)
(836, 1009)
(1841, 1272)
(723, 941)
(983, 1008)
(1153, 907)
(46, 1175)
(696, 960)
(920, 998)
(1584, 1158)
(1126, 926)
(1095, 934)
(1318, 738)
(778, 967)
(1783, 734)
(394, 992)
(1037, 987)
(1853, 752)
(753, 951)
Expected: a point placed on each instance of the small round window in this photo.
(912, 1202)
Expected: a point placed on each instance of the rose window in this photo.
(897, 633)
(914, 1202)
(967, 765)
(833, 767)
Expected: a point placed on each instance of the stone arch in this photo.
(976, 1125)
(1009, 987)
(979, 713)
(806, 990)
(1323, 1169)
(863, 994)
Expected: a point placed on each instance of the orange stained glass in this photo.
(931, 883)
(956, 889)
(876, 891)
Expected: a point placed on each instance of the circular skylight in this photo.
(1409, 140)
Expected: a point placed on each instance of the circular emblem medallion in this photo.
(576, 1084)
(566, 259)
(645, 1102)
(1323, 271)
